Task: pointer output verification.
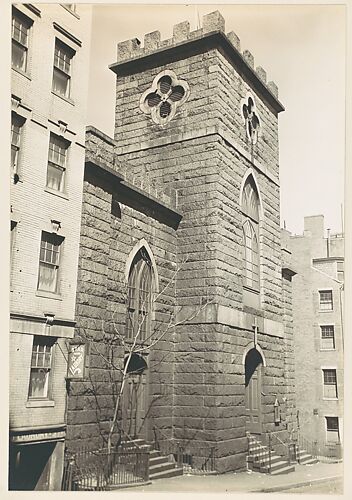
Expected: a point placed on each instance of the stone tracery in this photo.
(165, 95)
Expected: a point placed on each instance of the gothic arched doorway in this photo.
(253, 384)
(134, 398)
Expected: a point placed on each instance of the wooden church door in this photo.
(134, 400)
(253, 391)
(134, 405)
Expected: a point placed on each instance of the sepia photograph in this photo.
(176, 253)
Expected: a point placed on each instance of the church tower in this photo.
(195, 118)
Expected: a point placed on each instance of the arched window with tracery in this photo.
(139, 297)
(250, 209)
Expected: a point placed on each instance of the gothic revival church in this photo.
(181, 272)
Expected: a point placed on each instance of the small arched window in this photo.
(250, 209)
(139, 299)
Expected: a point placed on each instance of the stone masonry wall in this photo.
(110, 230)
(203, 153)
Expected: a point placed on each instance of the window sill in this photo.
(21, 72)
(60, 194)
(330, 399)
(67, 99)
(39, 403)
(325, 310)
(252, 290)
(324, 350)
(48, 295)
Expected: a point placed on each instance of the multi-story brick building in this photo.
(318, 335)
(183, 206)
(50, 54)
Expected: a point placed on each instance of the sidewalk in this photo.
(247, 481)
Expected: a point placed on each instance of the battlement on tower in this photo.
(131, 53)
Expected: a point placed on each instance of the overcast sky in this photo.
(301, 47)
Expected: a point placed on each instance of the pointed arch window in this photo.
(139, 299)
(250, 209)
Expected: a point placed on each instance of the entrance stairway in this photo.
(160, 466)
(304, 458)
(259, 459)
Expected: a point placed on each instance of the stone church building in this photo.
(180, 253)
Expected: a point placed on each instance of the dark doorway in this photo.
(253, 385)
(30, 466)
(134, 397)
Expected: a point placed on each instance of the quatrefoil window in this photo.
(164, 96)
(251, 118)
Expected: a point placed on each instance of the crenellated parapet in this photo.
(100, 151)
(213, 23)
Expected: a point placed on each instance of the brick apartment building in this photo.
(50, 51)
(318, 334)
(181, 220)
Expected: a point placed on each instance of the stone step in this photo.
(165, 466)
(166, 473)
(305, 458)
(157, 459)
(159, 464)
(259, 459)
(309, 461)
(265, 459)
(283, 470)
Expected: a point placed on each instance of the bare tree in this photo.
(141, 341)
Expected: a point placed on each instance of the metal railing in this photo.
(287, 450)
(261, 453)
(324, 452)
(329, 452)
(311, 447)
(188, 456)
(97, 470)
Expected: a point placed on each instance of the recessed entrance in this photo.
(134, 397)
(253, 384)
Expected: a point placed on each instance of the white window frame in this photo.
(58, 146)
(327, 431)
(62, 66)
(325, 309)
(330, 368)
(321, 326)
(16, 38)
(45, 366)
(52, 263)
(16, 144)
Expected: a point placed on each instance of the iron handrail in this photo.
(130, 438)
(287, 445)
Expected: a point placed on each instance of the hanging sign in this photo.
(76, 361)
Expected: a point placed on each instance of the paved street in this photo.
(257, 482)
(329, 487)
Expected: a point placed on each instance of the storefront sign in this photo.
(76, 361)
(40, 436)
